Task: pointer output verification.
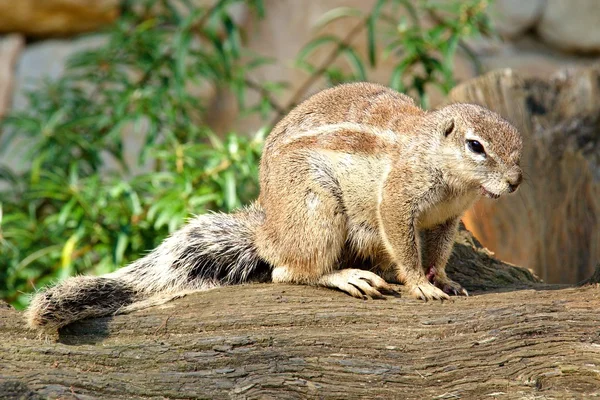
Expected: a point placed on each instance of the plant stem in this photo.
(265, 94)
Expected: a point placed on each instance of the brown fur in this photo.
(357, 173)
(399, 186)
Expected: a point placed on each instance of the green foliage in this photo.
(423, 55)
(68, 213)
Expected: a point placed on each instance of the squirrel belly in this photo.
(355, 175)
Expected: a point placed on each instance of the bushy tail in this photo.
(210, 250)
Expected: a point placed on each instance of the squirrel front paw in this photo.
(447, 285)
(426, 291)
(452, 288)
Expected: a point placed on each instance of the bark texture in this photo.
(553, 224)
(527, 340)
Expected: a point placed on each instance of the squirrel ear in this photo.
(448, 127)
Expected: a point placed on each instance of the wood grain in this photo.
(293, 342)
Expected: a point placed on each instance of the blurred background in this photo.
(119, 119)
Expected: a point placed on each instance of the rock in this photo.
(571, 26)
(47, 60)
(10, 49)
(513, 17)
(530, 57)
(56, 17)
(552, 224)
(38, 61)
(563, 24)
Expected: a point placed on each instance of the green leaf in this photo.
(65, 212)
(371, 24)
(182, 44)
(337, 13)
(66, 255)
(231, 198)
(136, 204)
(122, 242)
(371, 43)
(36, 167)
(356, 63)
(233, 36)
(259, 6)
(313, 45)
(199, 201)
(397, 75)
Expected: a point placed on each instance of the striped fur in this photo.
(211, 250)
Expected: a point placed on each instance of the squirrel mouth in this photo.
(489, 194)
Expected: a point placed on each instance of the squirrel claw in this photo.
(454, 290)
(451, 288)
(444, 283)
(426, 291)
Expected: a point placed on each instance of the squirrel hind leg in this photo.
(355, 282)
(78, 298)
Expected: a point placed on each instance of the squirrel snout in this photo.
(514, 183)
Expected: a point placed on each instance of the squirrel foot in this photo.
(452, 288)
(357, 283)
(447, 285)
(426, 291)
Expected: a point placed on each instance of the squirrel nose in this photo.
(512, 186)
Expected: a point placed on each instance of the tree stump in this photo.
(552, 224)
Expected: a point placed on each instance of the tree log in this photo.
(525, 340)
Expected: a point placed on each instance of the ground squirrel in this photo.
(356, 175)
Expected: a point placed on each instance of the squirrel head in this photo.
(482, 149)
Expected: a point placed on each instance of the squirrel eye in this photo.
(475, 147)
